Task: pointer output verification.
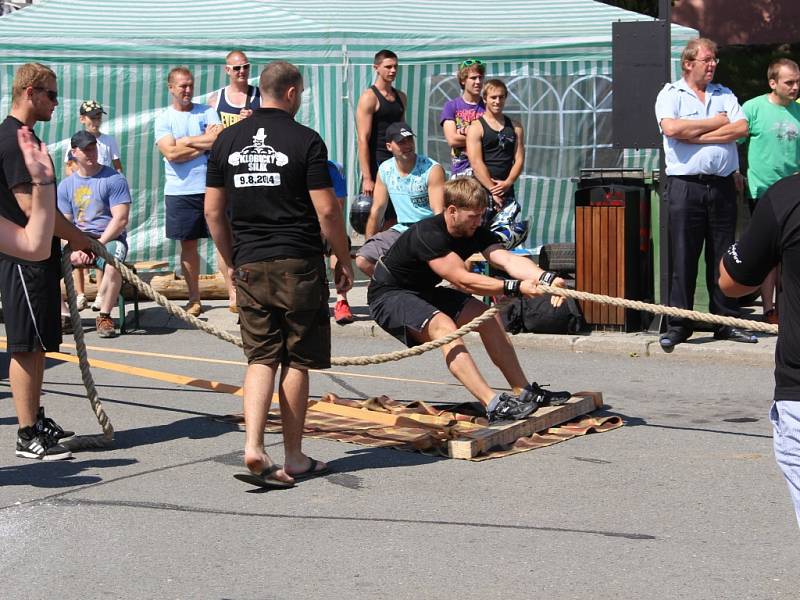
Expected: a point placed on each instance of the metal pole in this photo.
(657, 325)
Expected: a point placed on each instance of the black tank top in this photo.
(387, 113)
(498, 148)
(228, 113)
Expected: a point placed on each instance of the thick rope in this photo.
(176, 311)
(662, 310)
(84, 441)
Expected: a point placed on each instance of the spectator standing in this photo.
(185, 132)
(238, 99)
(379, 106)
(459, 112)
(773, 150)
(700, 121)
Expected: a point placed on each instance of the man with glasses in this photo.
(459, 112)
(238, 99)
(30, 289)
(379, 106)
(700, 122)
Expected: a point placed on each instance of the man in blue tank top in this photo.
(415, 185)
(379, 106)
(238, 99)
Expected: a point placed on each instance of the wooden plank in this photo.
(151, 265)
(620, 283)
(474, 442)
(605, 232)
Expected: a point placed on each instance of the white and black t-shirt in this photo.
(773, 237)
(267, 164)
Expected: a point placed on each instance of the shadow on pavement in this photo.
(61, 474)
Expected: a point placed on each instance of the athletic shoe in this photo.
(533, 392)
(48, 426)
(507, 407)
(194, 308)
(39, 446)
(771, 316)
(81, 300)
(105, 326)
(342, 313)
(98, 301)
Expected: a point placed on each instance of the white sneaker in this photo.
(98, 301)
(81, 299)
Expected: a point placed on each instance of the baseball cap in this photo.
(92, 108)
(82, 139)
(398, 131)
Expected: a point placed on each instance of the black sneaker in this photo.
(509, 408)
(48, 426)
(39, 446)
(533, 392)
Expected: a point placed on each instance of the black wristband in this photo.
(511, 287)
(547, 277)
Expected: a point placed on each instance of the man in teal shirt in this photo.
(774, 146)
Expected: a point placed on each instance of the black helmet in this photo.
(359, 212)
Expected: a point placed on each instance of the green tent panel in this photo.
(555, 57)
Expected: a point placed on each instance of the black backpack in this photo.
(537, 315)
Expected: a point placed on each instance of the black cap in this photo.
(92, 108)
(82, 139)
(398, 131)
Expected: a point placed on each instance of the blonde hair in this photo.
(693, 47)
(465, 192)
(179, 70)
(495, 84)
(30, 75)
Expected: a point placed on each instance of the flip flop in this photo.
(310, 472)
(264, 479)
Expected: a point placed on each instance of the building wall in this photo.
(741, 21)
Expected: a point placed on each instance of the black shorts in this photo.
(283, 312)
(185, 219)
(31, 295)
(399, 311)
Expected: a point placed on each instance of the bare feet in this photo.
(304, 466)
(258, 462)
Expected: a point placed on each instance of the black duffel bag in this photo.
(537, 315)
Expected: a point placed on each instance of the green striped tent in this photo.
(555, 56)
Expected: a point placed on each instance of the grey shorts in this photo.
(378, 245)
(401, 312)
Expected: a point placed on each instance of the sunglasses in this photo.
(472, 61)
(52, 95)
(237, 68)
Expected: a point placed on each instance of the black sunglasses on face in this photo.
(237, 68)
(52, 95)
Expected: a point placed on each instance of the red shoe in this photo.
(341, 312)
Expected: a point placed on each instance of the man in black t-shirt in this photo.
(773, 237)
(30, 289)
(271, 173)
(405, 299)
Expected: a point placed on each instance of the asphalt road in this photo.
(685, 501)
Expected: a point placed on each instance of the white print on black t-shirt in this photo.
(258, 159)
(733, 251)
